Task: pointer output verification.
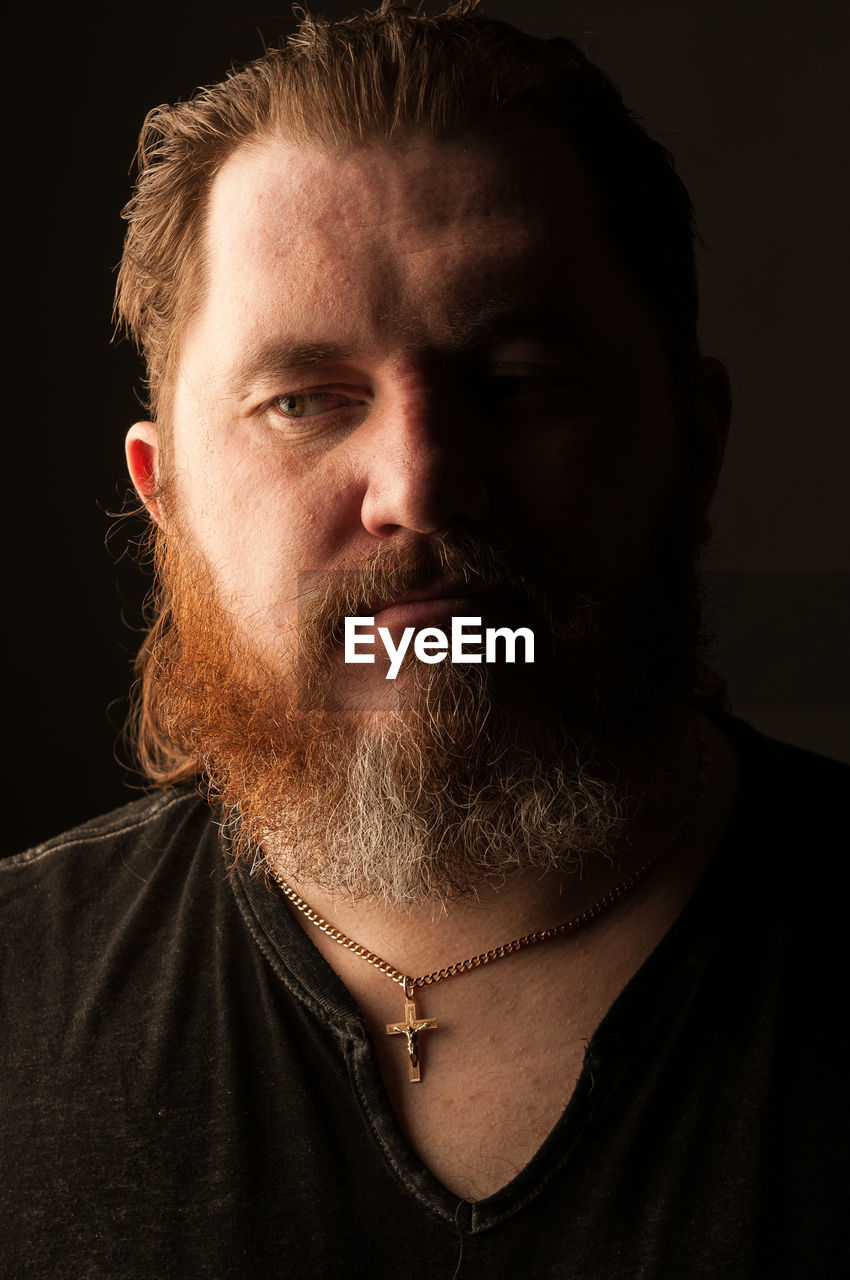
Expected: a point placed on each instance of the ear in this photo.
(712, 414)
(142, 452)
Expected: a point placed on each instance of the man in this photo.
(470, 966)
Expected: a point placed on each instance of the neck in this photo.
(500, 1049)
(418, 940)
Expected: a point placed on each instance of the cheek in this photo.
(260, 517)
(588, 499)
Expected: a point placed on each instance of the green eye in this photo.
(292, 406)
(324, 407)
(309, 404)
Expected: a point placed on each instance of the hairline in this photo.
(197, 277)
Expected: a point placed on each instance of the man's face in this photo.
(396, 341)
(419, 355)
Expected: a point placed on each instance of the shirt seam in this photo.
(346, 1030)
(60, 844)
(427, 1202)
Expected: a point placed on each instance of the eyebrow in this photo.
(275, 360)
(503, 315)
(508, 315)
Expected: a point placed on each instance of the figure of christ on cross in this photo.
(411, 1028)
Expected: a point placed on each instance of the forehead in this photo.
(396, 246)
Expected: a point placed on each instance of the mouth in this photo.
(446, 589)
(438, 602)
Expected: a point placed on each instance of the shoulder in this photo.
(150, 814)
(787, 786)
(785, 857)
(89, 917)
(100, 869)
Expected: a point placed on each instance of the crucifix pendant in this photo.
(410, 1029)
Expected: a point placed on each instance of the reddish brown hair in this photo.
(383, 75)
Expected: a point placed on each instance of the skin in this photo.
(445, 403)
(477, 356)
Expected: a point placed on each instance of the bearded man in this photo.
(476, 967)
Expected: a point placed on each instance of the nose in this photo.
(425, 469)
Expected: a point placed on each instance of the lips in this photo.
(455, 590)
(438, 603)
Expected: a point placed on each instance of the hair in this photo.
(384, 75)
(380, 76)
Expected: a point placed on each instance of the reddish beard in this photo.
(475, 775)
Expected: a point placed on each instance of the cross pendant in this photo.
(410, 1029)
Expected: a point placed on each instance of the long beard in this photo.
(473, 776)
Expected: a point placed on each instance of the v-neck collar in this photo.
(658, 987)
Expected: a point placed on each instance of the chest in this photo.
(495, 1075)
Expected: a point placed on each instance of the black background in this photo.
(751, 99)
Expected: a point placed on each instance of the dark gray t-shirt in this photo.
(188, 1088)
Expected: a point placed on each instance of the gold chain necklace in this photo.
(412, 1025)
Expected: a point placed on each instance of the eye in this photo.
(537, 384)
(310, 404)
(531, 375)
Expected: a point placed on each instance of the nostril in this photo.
(423, 487)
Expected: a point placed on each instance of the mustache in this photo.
(389, 572)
